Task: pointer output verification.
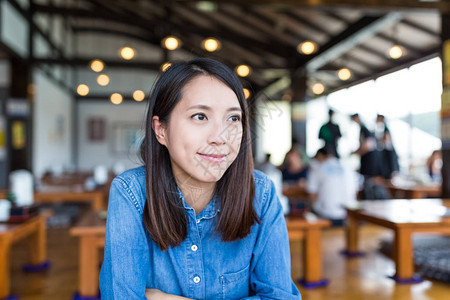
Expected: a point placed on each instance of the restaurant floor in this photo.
(360, 278)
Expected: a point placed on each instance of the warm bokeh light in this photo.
(171, 43)
(243, 70)
(97, 65)
(116, 98)
(82, 90)
(307, 47)
(103, 79)
(165, 66)
(344, 74)
(396, 52)
(318, 88)
(211, 44)
(138, 95)
(127, 53)
(246, 93)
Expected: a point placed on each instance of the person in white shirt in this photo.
(332, 186)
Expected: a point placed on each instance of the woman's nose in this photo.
(218, 133)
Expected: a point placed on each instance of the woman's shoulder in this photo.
(263, 188)
(131, 175)
(132, 182)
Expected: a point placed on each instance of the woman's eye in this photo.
(199, 117)
(235, 118)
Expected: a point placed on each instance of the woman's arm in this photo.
(155, 294)
(270, 269)
(126, 258)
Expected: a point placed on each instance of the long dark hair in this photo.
(164, 214)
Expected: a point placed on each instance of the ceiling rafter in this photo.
(354, 35)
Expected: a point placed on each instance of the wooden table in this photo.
(310, 232)
(91, 232)
(404, 217)
(34, 230)
(414, 191)
(56, 194)
(71, 194)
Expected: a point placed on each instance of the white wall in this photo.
(93, 153)
(52, 125)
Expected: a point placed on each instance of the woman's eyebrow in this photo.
(207, 107)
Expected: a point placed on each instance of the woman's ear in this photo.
(160, 130)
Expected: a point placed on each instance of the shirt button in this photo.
(196, 279)
(194, 248)
(198, 221)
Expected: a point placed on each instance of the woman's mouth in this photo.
(215, 158)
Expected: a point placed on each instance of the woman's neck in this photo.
(196, 194)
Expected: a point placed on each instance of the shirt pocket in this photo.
(235, 285)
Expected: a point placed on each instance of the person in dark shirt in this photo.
(330, 133)
(388, 154)
(370, 158)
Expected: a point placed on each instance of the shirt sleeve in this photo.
(270, 273)
(126, 258)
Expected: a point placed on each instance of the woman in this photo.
(196, 221)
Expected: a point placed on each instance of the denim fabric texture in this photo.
(202, 266)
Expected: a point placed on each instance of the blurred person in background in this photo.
(330, 134)
(332, 186)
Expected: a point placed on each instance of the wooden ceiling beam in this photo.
(383, 5)
(353, 36)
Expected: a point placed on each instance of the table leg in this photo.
(89, 261)
(5, 248)
(352, 237)
(403, 256)
(37, 244)
(98, 203)
(312, 259)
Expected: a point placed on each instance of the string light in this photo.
(171, 43)
(116, 98)
(127, 53)
(82, 89)
(344, 74)
(211, 44)
(103, 79)
(138, 95)
(165, 66)
(97, 65)
(246, 93)
(243, 70)
(395, 52)
(307, 47)
(318, 88)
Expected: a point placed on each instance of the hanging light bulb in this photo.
(103, 79)
(395, 52)
(243, 70)
(307, 47)
(82, 90)
(344, 74)
(246, 93)
(318, 88)
(97, 65)
(138, 95)
(165, 66)
(127, 53)
(211, 44)
(116, 98)
(171, 43)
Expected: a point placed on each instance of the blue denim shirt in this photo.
(202, 266)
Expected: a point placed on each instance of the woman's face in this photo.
(204, 132)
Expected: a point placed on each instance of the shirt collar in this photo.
(210, 211)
